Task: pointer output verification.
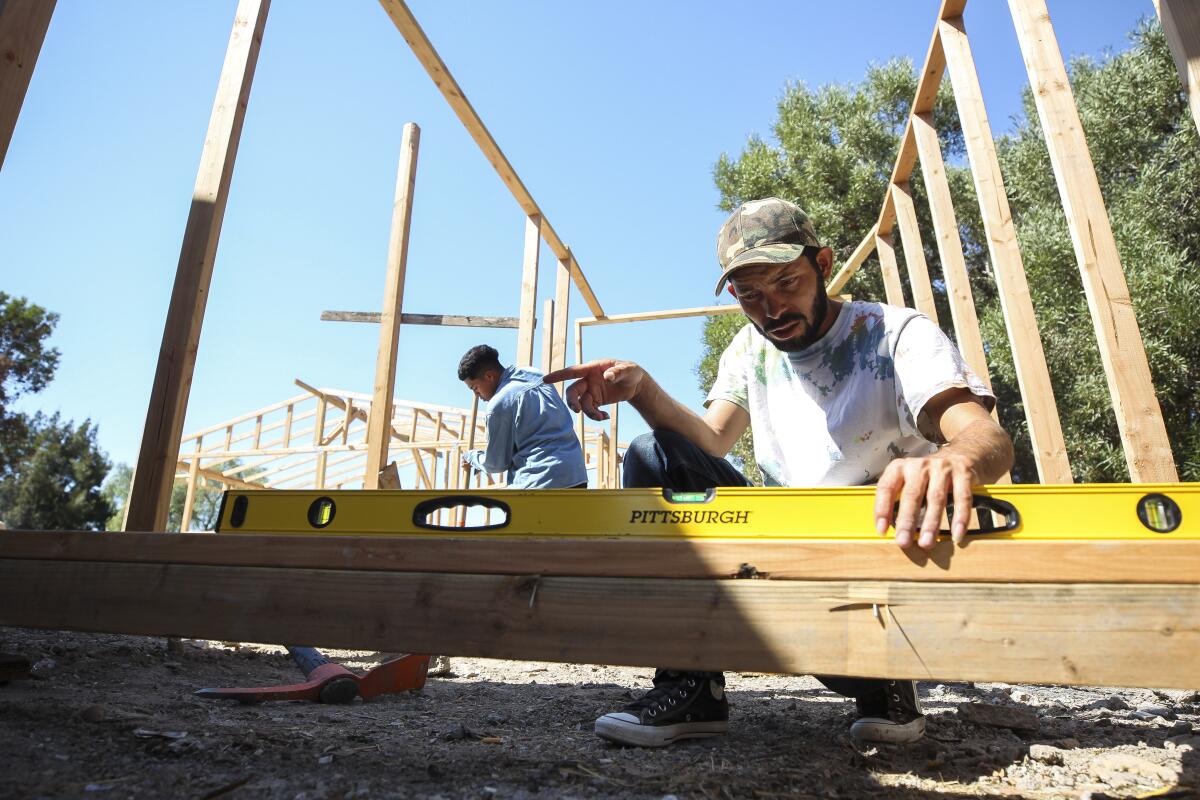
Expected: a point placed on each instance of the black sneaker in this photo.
(682, 705)
(892, 715)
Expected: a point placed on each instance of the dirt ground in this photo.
(114, 716)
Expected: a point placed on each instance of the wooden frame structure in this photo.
(1078, 612)
(321, 439)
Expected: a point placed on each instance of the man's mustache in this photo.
(785, 320)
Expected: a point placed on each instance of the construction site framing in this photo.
(875, 611)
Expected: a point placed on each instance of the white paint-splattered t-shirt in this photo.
(835, 413)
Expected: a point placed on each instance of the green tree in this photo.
(834, 152)
(26, 366)
(206, 506)
(50, 469)
(58, 485)
(1146, 150)
(833, 156)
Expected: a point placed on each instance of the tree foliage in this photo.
(58, 484)
(206, 506)
(50, 469)
(833, 154)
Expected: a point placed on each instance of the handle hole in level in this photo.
(465, 513)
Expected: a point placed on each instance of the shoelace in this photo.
(660, 698)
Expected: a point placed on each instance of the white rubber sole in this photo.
(881, 730)
(624, 731)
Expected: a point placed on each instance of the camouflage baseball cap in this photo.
(767, 231)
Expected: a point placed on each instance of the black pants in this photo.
(667, 459)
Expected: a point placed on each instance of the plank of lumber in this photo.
(892, 287)
(457, 320)
(1130, 385)
(1181, 25)
(23, 25)
(379, 424)
(1163, 562)
(646, 316)
(914, 250)
(1111, 635)
(856, 259)
(529, 284)
(220, 477)
(154, 474)
(562, 300)
(949, 246)
(1033, 377)
(423, 49)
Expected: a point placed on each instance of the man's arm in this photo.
(498, 456)
(609, 381)
(977, 451)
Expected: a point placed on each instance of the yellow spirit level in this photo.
(1080, 511)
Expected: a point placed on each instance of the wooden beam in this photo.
(379, 424)
(914, 251)
(1139, 418)
(547, 333)
(860, 254)
(220, 477)
(150, 495)
(562, 300)
(949, 245)
(23, 25)
(529, 283)
(1164, 561)
(1033, 377)
(1181, 25)
(473, 321)
(645, 316)
(423, 49)
(892, 287)
(1081, 634)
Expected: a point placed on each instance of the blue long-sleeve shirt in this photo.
(530, 435)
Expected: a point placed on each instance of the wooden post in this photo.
(613, 474)
(949, 244)
(318, 440)
(914, 250)
(547, 334)
(579, 432)
(379, 424)
(1181, 25)
(562, 299)
(1033, 377)
(893, 289)
(529, 280)
(189, 497)
(1139, 418)
(23, 25)
(150, 496)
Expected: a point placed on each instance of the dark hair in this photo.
(810, 252)
(478, 360)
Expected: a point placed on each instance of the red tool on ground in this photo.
(332, 683)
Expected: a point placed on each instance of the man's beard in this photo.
(809, 329)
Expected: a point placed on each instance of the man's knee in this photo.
(645, 461)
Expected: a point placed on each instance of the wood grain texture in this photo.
(150, 494)
(23, 26)
(1122, 353)
(1161, 562)
(1129, 635)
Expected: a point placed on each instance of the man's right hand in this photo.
(600, 383)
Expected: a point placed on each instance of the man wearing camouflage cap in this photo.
(836, 394)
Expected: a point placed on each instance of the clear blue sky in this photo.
(612, 113)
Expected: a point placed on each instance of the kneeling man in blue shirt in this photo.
(528, 424)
